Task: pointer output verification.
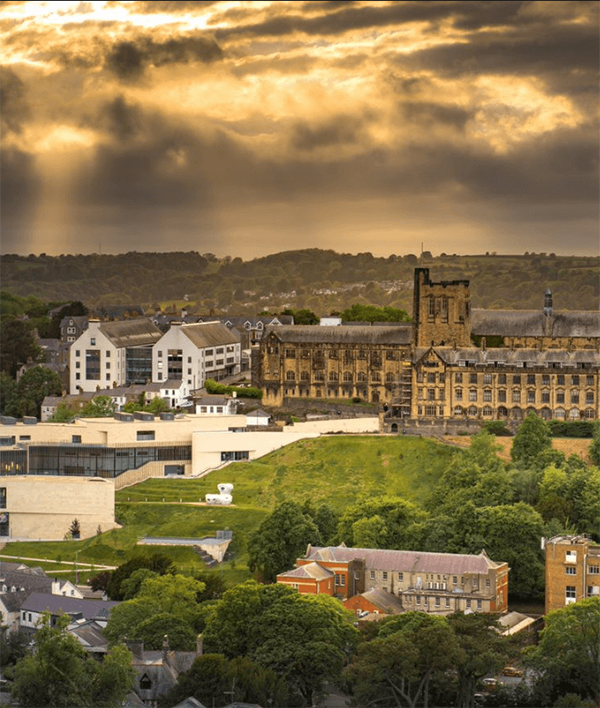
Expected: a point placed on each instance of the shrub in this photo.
(496, 427)
(571, 428)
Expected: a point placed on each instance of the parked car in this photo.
(512, 671)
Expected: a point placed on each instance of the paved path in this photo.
(80, 564)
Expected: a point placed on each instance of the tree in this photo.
(63, 413)
(32, 388)
(371, 313)
(18, 345)
(387, 521)
(411, 652)
(532, 438)
(568, 653)
(8, 393)
(265, 624)
(280, 539)
(483, 651)
(99, 407)
(157, 562)
(595, 445)
(160, 601)
(61, 673)
(75, 529)
(215, 680)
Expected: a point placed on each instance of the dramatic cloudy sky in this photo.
(246, 128)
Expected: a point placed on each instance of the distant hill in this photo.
(323, 281)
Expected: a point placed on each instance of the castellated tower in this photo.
(441, 312)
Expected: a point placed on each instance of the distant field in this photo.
(337, 470)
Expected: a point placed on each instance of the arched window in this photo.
(362, 377)
(347, 376)
(394, 428)
(333, 376)
(487, 412)
(304, 376)
(516, 414)
(502, 412)
(589, 414)
(290, 375)
(375, 376)
(472, 411)
(546, 414)
(389, 377)
(458, 410)
(574, 414)
(375, 397)
(319, 376)
(559, 413)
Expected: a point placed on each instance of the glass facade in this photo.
(138, 365)
(88, 460)
(92, 364)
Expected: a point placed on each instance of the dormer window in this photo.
(145, 683)
(259, 325)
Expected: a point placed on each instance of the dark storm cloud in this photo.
(339, 130)
(513, 52)
(14, 109)
(128, 60)
(427, 113)
(369, 16)
(122, 120)
(20, 188)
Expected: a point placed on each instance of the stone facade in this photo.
(572, 570)
(443, 368)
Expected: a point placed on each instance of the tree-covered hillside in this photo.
(324, 281)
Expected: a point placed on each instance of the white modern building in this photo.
(195, 352)
(110, 354)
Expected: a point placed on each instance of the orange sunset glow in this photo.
(246, 128)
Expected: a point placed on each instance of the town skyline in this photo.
(254, 128)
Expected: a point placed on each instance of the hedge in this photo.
(571, 428)
(214, 387)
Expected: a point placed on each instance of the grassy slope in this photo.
(337, 470)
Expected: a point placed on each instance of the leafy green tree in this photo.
(157, 562)
(214, 587)
(567, 657)
(63, 413)
(8, 394)
(398, 668)
(61, 673)
(594, 451)
(483, 651)
(476, 475)
(372, 313)
(18, 345)
(99, 407)
(13, 645)
(131, 586)
(160, 600)
(303, 316)
(280, 539)
(216, 681)
(157, 405)
(532, 438)
(265, 624)
(394, 527)
(33, 387)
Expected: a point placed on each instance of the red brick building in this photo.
(439, 583)
(572, 570)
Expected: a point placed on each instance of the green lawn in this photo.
(336, 470)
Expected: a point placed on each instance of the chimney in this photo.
(165, 649)
(135, 647)
(548, 303)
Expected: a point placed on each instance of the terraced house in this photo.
(453, 364)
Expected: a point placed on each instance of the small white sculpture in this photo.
(224, 497)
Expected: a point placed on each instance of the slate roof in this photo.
(209, 334)
(300, 334)
(475, 356)
(13, 601)
(310, 570)
(190, 702)
(89, 634)
(56, 604)
(240, 321)
(406, 561)
(383, 600)
(24, 578)
(131, 333)
(534, 323)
